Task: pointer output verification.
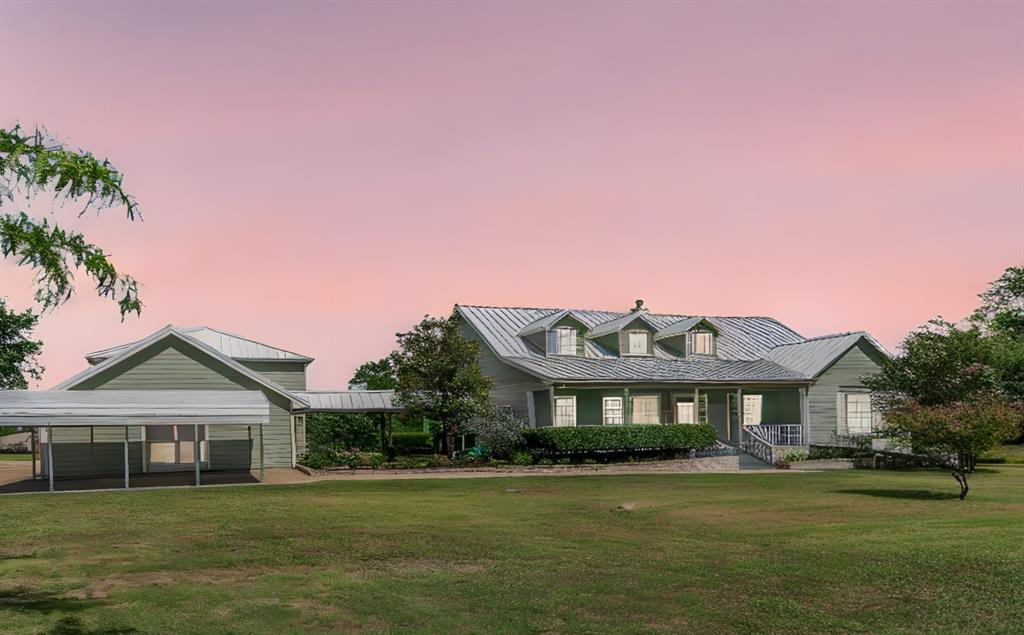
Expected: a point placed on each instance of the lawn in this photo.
(15, 457)
(1005, 454)
(836, 552)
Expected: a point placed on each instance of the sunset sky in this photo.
(320, 176)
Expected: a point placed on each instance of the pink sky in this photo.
(319, 177)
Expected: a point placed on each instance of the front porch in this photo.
(755, 418)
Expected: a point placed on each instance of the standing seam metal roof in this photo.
(229, 344)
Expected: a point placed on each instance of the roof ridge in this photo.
(649, 312)
(829, 336)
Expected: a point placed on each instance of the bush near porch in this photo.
(637, 440)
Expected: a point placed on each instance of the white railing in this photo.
(786, 434)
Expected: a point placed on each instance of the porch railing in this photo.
(767, 441)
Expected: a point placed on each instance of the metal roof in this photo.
(813, 356)
(544, 323)
(350, 400)
(228, 344)
(615, 325)
(742, 342)
(678, 328)
(132, 407)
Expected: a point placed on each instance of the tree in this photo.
(34, 164)
(954, 435)
(18, 351)
(1002, 305)
(439, 377)
(378, 375)
(499, 431)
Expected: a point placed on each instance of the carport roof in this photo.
(132, 407)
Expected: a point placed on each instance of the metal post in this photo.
(49, 454)
(126, 457)
(195, 441)
(261, 454)
(92, 452)
(35, 450)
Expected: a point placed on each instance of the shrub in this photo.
(412, 442)
(522, 458)
(500, 432)
(621, 439)
(341, 432)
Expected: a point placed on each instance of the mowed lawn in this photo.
(835, 552)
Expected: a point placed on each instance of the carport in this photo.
(44, 411)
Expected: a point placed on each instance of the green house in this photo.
(761, 384)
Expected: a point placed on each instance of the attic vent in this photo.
(639, 307)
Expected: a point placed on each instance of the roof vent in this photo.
(639, 307)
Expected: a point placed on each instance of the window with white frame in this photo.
(752, 409)
(703, 343)
(612, 410)
(858, 413)
(644, 409)
(685, 412)
(639, 342)
(565, 411)
(562, 341)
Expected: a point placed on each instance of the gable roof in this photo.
(742, 343)
(546, 322)
(615, 325)
(680, 327)
(227, 344)
(170, 331)
(813, 356)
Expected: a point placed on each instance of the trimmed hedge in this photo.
(413, 443)
(620, 439)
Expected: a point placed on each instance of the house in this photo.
(182, 399)
(758, 382)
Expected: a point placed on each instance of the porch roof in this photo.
(132, 407)
(353, 401)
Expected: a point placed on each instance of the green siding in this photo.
(290, 375)
(845, 372)
(75, 457)
(172, 365)
(542, 407)
(510, 384)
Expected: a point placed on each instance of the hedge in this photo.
(413, 442)
(620, 439)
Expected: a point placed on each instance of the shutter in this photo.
(580, 343)
(841, 429)
(702, 409)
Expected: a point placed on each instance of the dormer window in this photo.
(562, 341)
(639, 342)
(703, 343)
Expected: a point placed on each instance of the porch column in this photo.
(34, 448)
(126, 457)
(49, 454)
(195, 449)
(627, 407)
(92, 451)
(261, 454)
(248, 435)
(696, 405)
(805, 416)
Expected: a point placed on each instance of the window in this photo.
(858, 413)
(562, 341)
(703, 343)
(752, 409)
(685, 412)
(565, 411)
(645, 409)
(612, 409)
(638, 342)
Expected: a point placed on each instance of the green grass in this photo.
(835, 552)
(1005, 454)
(15, 457)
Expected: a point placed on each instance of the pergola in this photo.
(50, 409)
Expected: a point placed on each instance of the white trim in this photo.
(629, 344)
(554, 411)
(291, 429)
(621, 408)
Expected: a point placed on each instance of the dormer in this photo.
(695, 336)
(560, 333)
(631, 335)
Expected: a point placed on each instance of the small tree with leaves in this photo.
(954, 435)
(378, 375)
(19, 353)
(439, 377)
(31, 164)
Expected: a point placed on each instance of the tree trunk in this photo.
(961, 478)
(449, 445)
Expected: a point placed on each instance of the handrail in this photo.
(784, 434)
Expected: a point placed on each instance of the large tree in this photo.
(439, 377)
(378, 375)
(33, 164)
(19, 353)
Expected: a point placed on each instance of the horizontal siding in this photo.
(290, 375)
(175, 367)
(821, 396)
(231, 449)
(510, 384)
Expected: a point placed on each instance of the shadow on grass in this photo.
(905, 494)
(28, 600)
(71, 625)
